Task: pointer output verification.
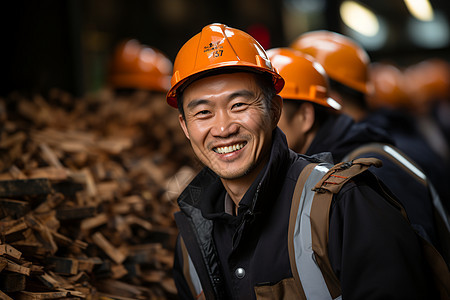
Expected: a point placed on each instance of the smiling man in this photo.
(240, 237)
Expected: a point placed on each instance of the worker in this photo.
(135, 66)
(347, 65)
(238, 235)
(428, 87)
(395, 106)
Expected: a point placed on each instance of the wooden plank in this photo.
(9, 250)
(88, 264)
(16, 268)
(49, 281)
(118, 271)
(51, 173)
(3, 296)
(63, 265)
(16, 173)
(72, 213)
(3, 263)
(8, 141)
(15, 208)
(24, 295)
(27, 187)
(12, 282)
(13, 227)
(49, 156)
(134, 220)
(115, 254)
(93, 222)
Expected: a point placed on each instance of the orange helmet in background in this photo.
(389, 87)
(218, 46)
(305, 79)
(429, 80)
(137, 66)
(343, 59)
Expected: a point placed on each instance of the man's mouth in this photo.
(228, 149)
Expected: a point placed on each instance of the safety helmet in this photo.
(305, 79)
(389, 88)
(429, 80)
(138, 66)
(218, 46)
(342, 58)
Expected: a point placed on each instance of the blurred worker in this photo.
(139, 67)
(428, 86)
(346, 63)
(397, 109)
(240, 238)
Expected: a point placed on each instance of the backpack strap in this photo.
(329, 185)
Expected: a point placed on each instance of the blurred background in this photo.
(67, 44)
(114, 154)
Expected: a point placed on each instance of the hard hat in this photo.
(342, 58)
(140, 67)
(429, 80)
(218, 46)
(305, 79)
(389, 88)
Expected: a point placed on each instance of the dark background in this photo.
(67, 43)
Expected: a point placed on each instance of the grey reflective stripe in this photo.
(310, 275)
(399, 157)
(194, 277)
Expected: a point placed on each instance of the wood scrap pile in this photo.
(88, 188)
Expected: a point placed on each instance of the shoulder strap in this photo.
(331, 184)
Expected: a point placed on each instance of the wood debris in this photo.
(88, 189)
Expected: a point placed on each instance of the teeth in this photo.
(228, 149)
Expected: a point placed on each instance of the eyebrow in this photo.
(197, 102)
(240, 93)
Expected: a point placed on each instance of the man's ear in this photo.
(183, 125)
(277, 107)
(304, 118)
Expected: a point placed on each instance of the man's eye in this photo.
(238, 105)
(202, 113)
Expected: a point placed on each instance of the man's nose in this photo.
(224, 125)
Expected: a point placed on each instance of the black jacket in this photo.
(371, 259)
(340, 135)
(403, 129)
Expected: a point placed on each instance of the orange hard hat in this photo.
(305, 79)
(389, 88)
(342, 58)
(218, 46)
(138, 66)
(429, 80)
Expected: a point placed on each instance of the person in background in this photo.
(347, 65)
(236, 239)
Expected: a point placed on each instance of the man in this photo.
(347, 65)
(234, 219)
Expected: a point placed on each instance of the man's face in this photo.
(228, 124)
